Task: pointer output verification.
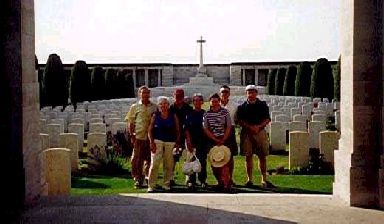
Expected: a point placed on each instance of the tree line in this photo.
(59, 86)
(303, 80)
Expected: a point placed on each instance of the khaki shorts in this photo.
(254, 144)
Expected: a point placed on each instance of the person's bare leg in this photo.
(249, 166)
(263, 168)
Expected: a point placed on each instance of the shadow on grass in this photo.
(107, 175)
(84, 184)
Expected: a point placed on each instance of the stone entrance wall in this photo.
(19, 118)
(359, 161)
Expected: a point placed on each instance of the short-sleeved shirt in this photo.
(253, 113)
(194, 124)
(217, 121)
(231, 107)
(140, 115)
(181, 113)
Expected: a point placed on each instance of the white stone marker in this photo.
(319, 117)
(314, 129)
(79, 130)
(118, 126)
(306, 110)
(297, 126)
(329, 142)
(54, 130)
(97, 128)
(57, 171)
(96, 149)
(71, 142)
(77, 121)
(298, 149)
(274, 113)
(59, 121)
(277, 136)
(300, 117)
(95, 120)
(295, 111)
(111, 121)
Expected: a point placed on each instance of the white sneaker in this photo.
(150, 190)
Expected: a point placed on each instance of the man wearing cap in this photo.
(138, 119)
(231, 106)
(253, 116)
(181, 109)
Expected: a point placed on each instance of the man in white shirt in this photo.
(231, 106)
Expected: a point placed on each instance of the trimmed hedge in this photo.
(303, 79)
(271, 81)
(322, 80)
(337, 80)
(279, 81)
(55, 84)
(110, 83)
(80, 83)
(289, 82)
(98, 83)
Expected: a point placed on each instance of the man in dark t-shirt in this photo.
(181, 109)
(253, 116)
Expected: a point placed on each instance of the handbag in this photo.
(192, 166)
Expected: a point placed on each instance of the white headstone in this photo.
(274, 113)
(97, 128)
(54, 130)
(298, 149)
(277, 136)
(79, 130)
(297, 126)
(329, 142)
(95, 120)
(319, 117)
(306, 110)
(57, 171)
(111, 121)
(71, 142)
(299, 117)
(314, 129)
(295, 111)
(118, 126)
(96, 149)
(59, 121)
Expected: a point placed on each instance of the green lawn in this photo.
(314, 184)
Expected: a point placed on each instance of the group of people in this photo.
(158, 131)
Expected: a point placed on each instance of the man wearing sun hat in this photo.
(253, 116)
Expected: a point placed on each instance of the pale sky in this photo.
(165, 31)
